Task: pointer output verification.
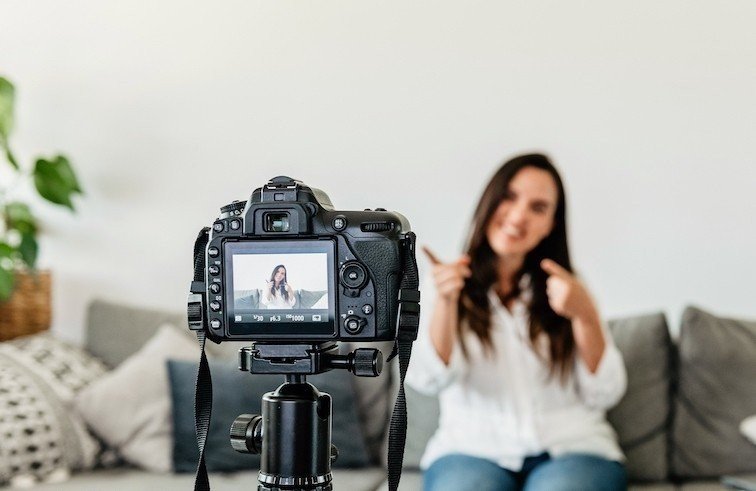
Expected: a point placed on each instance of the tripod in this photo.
(293, 432)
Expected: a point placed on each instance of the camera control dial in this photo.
(353, 275)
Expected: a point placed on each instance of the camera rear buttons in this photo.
(215, 288)
(367, 309)
(218, 226)
(353, 275)
(215, 323)
(214, 270)
(235, 224)
(213, 252)
(215, 306)
(354, 324)
(339, 223)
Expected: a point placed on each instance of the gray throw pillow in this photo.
(246, 299)
(308, 298)
(235, 393)
(130, 407)
(716, 392)
(641, 418)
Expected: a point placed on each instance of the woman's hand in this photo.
(449, 277)
(567, 296)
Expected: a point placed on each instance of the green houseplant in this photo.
(54, 180)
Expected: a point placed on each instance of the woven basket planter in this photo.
(28, 311)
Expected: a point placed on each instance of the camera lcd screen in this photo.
(280, 288)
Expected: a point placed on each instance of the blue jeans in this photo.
(571, 472)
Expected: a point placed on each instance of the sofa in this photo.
(678, 424)
(305, 299)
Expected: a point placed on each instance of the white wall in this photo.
(170, 109)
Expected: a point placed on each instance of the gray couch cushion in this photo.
(116, 331)
(642, 416)
(422, 421)
(250, 299)
(716, 391)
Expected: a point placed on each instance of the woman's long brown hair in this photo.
(474, 307)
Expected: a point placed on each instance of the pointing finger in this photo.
(433, 258)
(552, 268)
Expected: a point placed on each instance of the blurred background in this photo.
(168, 110)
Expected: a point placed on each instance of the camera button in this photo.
(215, 306)
(218, 226)
(354, 324)
(213, 251)
(215, 288)
(235, 224)
(353, 275)
(339, 223)
(367, 309)
(214, 270)
(215, 324)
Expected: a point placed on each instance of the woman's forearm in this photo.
(443, 328)
(589, 339)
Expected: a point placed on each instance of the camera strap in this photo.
(408, 320)
(203, 391)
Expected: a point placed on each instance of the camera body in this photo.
(286, 267)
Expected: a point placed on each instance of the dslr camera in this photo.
(294, 276)
(287, 267)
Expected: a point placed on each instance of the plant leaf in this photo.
(28, 249)
(6, 251)
(7, 275)
(6, 283)
(7, 93)
(18, 216)
(8, 154)
(55, 180)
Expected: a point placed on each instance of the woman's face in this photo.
(526, 216)
(280, 274)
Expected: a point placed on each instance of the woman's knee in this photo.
(577, 472)
(463, 472)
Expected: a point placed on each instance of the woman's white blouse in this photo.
(505, 407)
(276, 300)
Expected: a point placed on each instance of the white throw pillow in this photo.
(130, 407)
(748, 428)
(41, 439)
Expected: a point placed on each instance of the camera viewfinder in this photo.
(276, 222)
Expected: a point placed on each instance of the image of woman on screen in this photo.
(278, 294)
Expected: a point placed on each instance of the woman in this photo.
(515, 347)
(277, 293)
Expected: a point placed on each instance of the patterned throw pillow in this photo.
(41, 438)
